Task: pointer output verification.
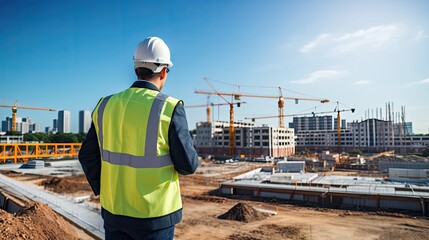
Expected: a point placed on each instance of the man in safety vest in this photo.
(137, 145)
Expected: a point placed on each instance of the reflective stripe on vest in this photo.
(150, 159)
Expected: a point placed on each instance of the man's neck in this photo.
(154, 82)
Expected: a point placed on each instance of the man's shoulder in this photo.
(171, 99)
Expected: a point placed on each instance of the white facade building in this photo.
(250, 140)
(84, 121)
(63, 121)
(35, 128)
(11, 139)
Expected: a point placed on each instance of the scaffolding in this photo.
(23, 152)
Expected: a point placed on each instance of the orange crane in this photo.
(337, 109)
(15, 109)
(231, 119)
(212, 104)
(281, 98)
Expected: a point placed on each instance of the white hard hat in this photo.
(152, 53)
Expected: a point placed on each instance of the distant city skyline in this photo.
(60, 124)
(24, 125)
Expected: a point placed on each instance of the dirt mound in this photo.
(243, 213)
(35, 222)
(67, 184)
(400, 158)
(206, 198)
(269, 231)
(10, 173)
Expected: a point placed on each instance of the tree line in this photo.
(54, 138)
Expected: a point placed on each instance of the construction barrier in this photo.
(23, 152)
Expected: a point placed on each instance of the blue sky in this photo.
(68, 54)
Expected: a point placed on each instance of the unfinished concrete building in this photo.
(371, 135)
(250, 140)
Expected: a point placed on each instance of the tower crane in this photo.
(237, 96)
(15, 110)
(213, 105)
(231, 117)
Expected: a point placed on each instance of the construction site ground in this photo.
(202, 207)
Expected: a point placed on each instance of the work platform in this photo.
(23, 152)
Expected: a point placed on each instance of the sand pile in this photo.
(35, 222)
(243, 213)
(67, 184)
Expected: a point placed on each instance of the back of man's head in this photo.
(150, 57)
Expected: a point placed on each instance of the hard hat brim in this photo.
(152, 66)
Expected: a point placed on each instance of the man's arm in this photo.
(89, 158)
(182, 151)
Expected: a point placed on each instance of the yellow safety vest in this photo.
(138, 178)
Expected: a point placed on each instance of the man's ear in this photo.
(163, 73)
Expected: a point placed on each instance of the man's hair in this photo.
(144, 73)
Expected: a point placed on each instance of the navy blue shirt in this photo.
(182, 153)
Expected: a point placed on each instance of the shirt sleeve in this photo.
(182, 151)
(90, 159)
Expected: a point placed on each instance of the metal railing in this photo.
(23, 152)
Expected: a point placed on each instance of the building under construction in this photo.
(374, 134)
(371, 135)
(250, 141)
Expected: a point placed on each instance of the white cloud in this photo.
(318, 41)
(319, 75)
(373, 37)
(420, 34)
(362, 82)
(424, 81)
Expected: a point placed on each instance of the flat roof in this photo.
(341, 184)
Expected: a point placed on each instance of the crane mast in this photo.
(339, 131)
(231, 120)
(231, 130)
(208, 110)
(14, 111)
